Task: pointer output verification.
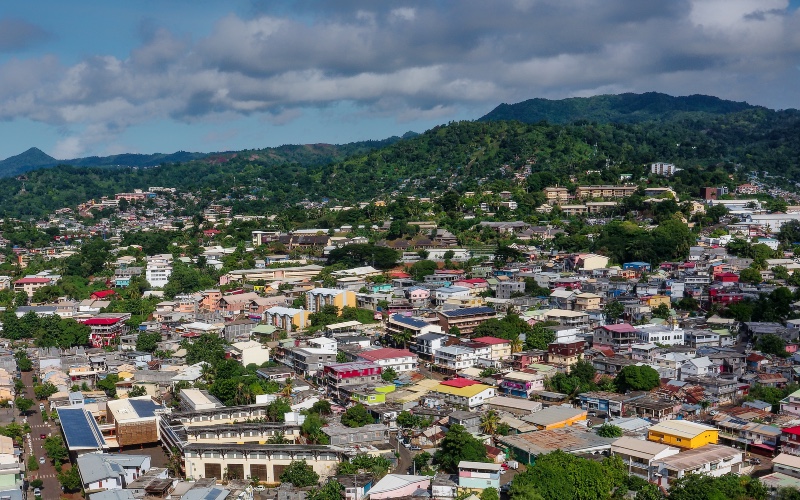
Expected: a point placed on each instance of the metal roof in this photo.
(467, 311)
(80, 429)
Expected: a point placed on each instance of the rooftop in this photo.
(681, 428)
(691, 459)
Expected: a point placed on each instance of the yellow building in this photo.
(587, 301)
(286, 318)
(683, 434)
(318, 298)
(464, 392)
(656, 300)
(556, 194)
(556, 417)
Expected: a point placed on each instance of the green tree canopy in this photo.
(300, 474)
(364, 254)
(458, 445)
(637, 378)
(148, 341)
(356, 416)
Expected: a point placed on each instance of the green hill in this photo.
(23, 162)
(622, 108)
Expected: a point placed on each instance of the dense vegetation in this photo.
(709, 145)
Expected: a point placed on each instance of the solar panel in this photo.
(410, 321)
(144, 407)
(453, 313)
(80, 429)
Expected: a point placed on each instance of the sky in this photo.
(98, 78)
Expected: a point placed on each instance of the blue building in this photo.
(478, 475)
(642, 267)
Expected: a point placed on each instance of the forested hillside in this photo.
(461, 156)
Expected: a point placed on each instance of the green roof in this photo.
(264, 329)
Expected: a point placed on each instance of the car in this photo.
(415, 448)
(592, 413)
(260, 487)
(755, 461)
(504, 466)
(41, 460)
(42, 436)
(37, 492)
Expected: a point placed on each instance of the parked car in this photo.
(415, 448)
(41, 460)
(260, 487)
(42, 436)
(37, 492)
(755, 461)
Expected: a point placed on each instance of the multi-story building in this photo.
(790, 440)
(605, 191)
(506, 289)
(639, 456)
(663, 169)
(30, 284)
(578, 319)
(455, 357)
(556, 195)
(286, 318)
(609, 402)
(659, 334)
(618, 336)
(464, 392)
(565, 354)
(308, 361)
(521, 384)
(318, 298)
(338, 375)
(791, 404)
(478, 475)
(711, 460)
(427, 345)
(466, 319)
(107, 328)
(500, 348)
(400, 360)
(158, 270)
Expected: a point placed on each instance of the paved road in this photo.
(46, 472)
(405, 460)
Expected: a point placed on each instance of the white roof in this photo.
(464, 464)
(681, 428)
(639, 448)
(393, 482)
(787, 460)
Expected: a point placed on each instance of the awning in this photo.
(763, 446)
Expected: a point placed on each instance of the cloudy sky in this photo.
(97, 77)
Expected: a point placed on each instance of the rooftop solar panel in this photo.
(80, 429)
(410, 321)
(144, 407)
(468, 311)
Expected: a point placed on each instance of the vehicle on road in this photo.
(415, 448)
(41, 406)
(41, 460)
(755, 461)
(37, 492)
(260, 487)
(513, 464)
(42, 436)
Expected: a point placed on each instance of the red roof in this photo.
(459, 382)
(791, 430)
(755, 357)
(620, 328)
(103, 293)
(475, 281)
(399, 274)
(101, 321)
(385, 353)
(490, 340)
(31, 281)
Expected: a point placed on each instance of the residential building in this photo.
(478, 475)
(249, 352)
(565, 354)
(506, 289)
(576, 319)
(515, 406)
(787, 464)
(286, 318)
(521, 384)
(107, 471)
(318, 298)
(639, 455)
(556, 417)
(105, 329)
(790, 440)
(659, 334)
(500, 348)
(427, 345)
(340, 435)
(791, 404)
(455, 357)
(575, 440)
(464, 392)
(466, 319)
(396, 486)
(683, 434)
(698, 367)
(607, 402)
(712, 460)
(158, 270)
(587, 301)
(619, 336)
(556, 195)
(606, 191)
(308, 361)
(663, 169)
(338, 375)
(399, 360)
(30, 284)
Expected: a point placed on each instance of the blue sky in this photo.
(97, 77)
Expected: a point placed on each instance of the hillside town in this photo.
(404, 354)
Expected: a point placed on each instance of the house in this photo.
(576, 440)
(102, 295)
(460, 391)
(399, 360)
(30, 284)
(586, 301)
(607, 402)
(639, 455)
(249, 352)
(158, 270)
(470, 420)
(618, 336)
(521, 384)
(514, 406)
(683, 434)
(339, 375)
(105, 329)
(107, 471)
(787, 464)
(340, 435)
(286, 318)
(318, 298)
(791, 404)
(500, 348)
(478, 475)
(698, 367)
(658, 334)
(712, 460)
(556, 417)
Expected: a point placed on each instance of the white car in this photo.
(41, 460)
(260, 487)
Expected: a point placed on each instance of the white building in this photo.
(250, 352)
(665, 169)
(159, 269)
(660, 334)
(698, 367)
(638, 455)
(110, 471)
(400, 360)
(712, 460)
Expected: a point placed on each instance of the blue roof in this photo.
(80, 429)
(467, 311)
(144, 407)
(409, 321)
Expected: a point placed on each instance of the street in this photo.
(34, 445)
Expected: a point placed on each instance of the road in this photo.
(46, 472)
(405, 460)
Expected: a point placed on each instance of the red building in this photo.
(726, 277)
(341, 375)
(102, 294)
(790, 440)
(718, 296)
(106, 330)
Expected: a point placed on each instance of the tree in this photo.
(609, 431)
(458, 445)
(312, 429)
(148, 341)
(321, 407)
(364, 254)
(772, 344)
(788, 494)
(33, 463)
(109, 384)
(24, 364)
(637, 378)
(207, 347)
(649, 492)
(584, 371)
(37, 483)
(661, 311)
(55, 449)
(489, 422)
(356, 416)
(300, 474)
(421, 460)
(490, 494)
(136, 391)
(539, 337)
(389, 375)
(613, 311)
(331, 491)
(558, 475)
(70, 479)
(277, 410)
(44, 391)
(750, 275)
(730, 486)
(23, 404)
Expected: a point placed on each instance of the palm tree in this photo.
(516, 345)
(208, 372)
(287, 389)
(489, 422)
